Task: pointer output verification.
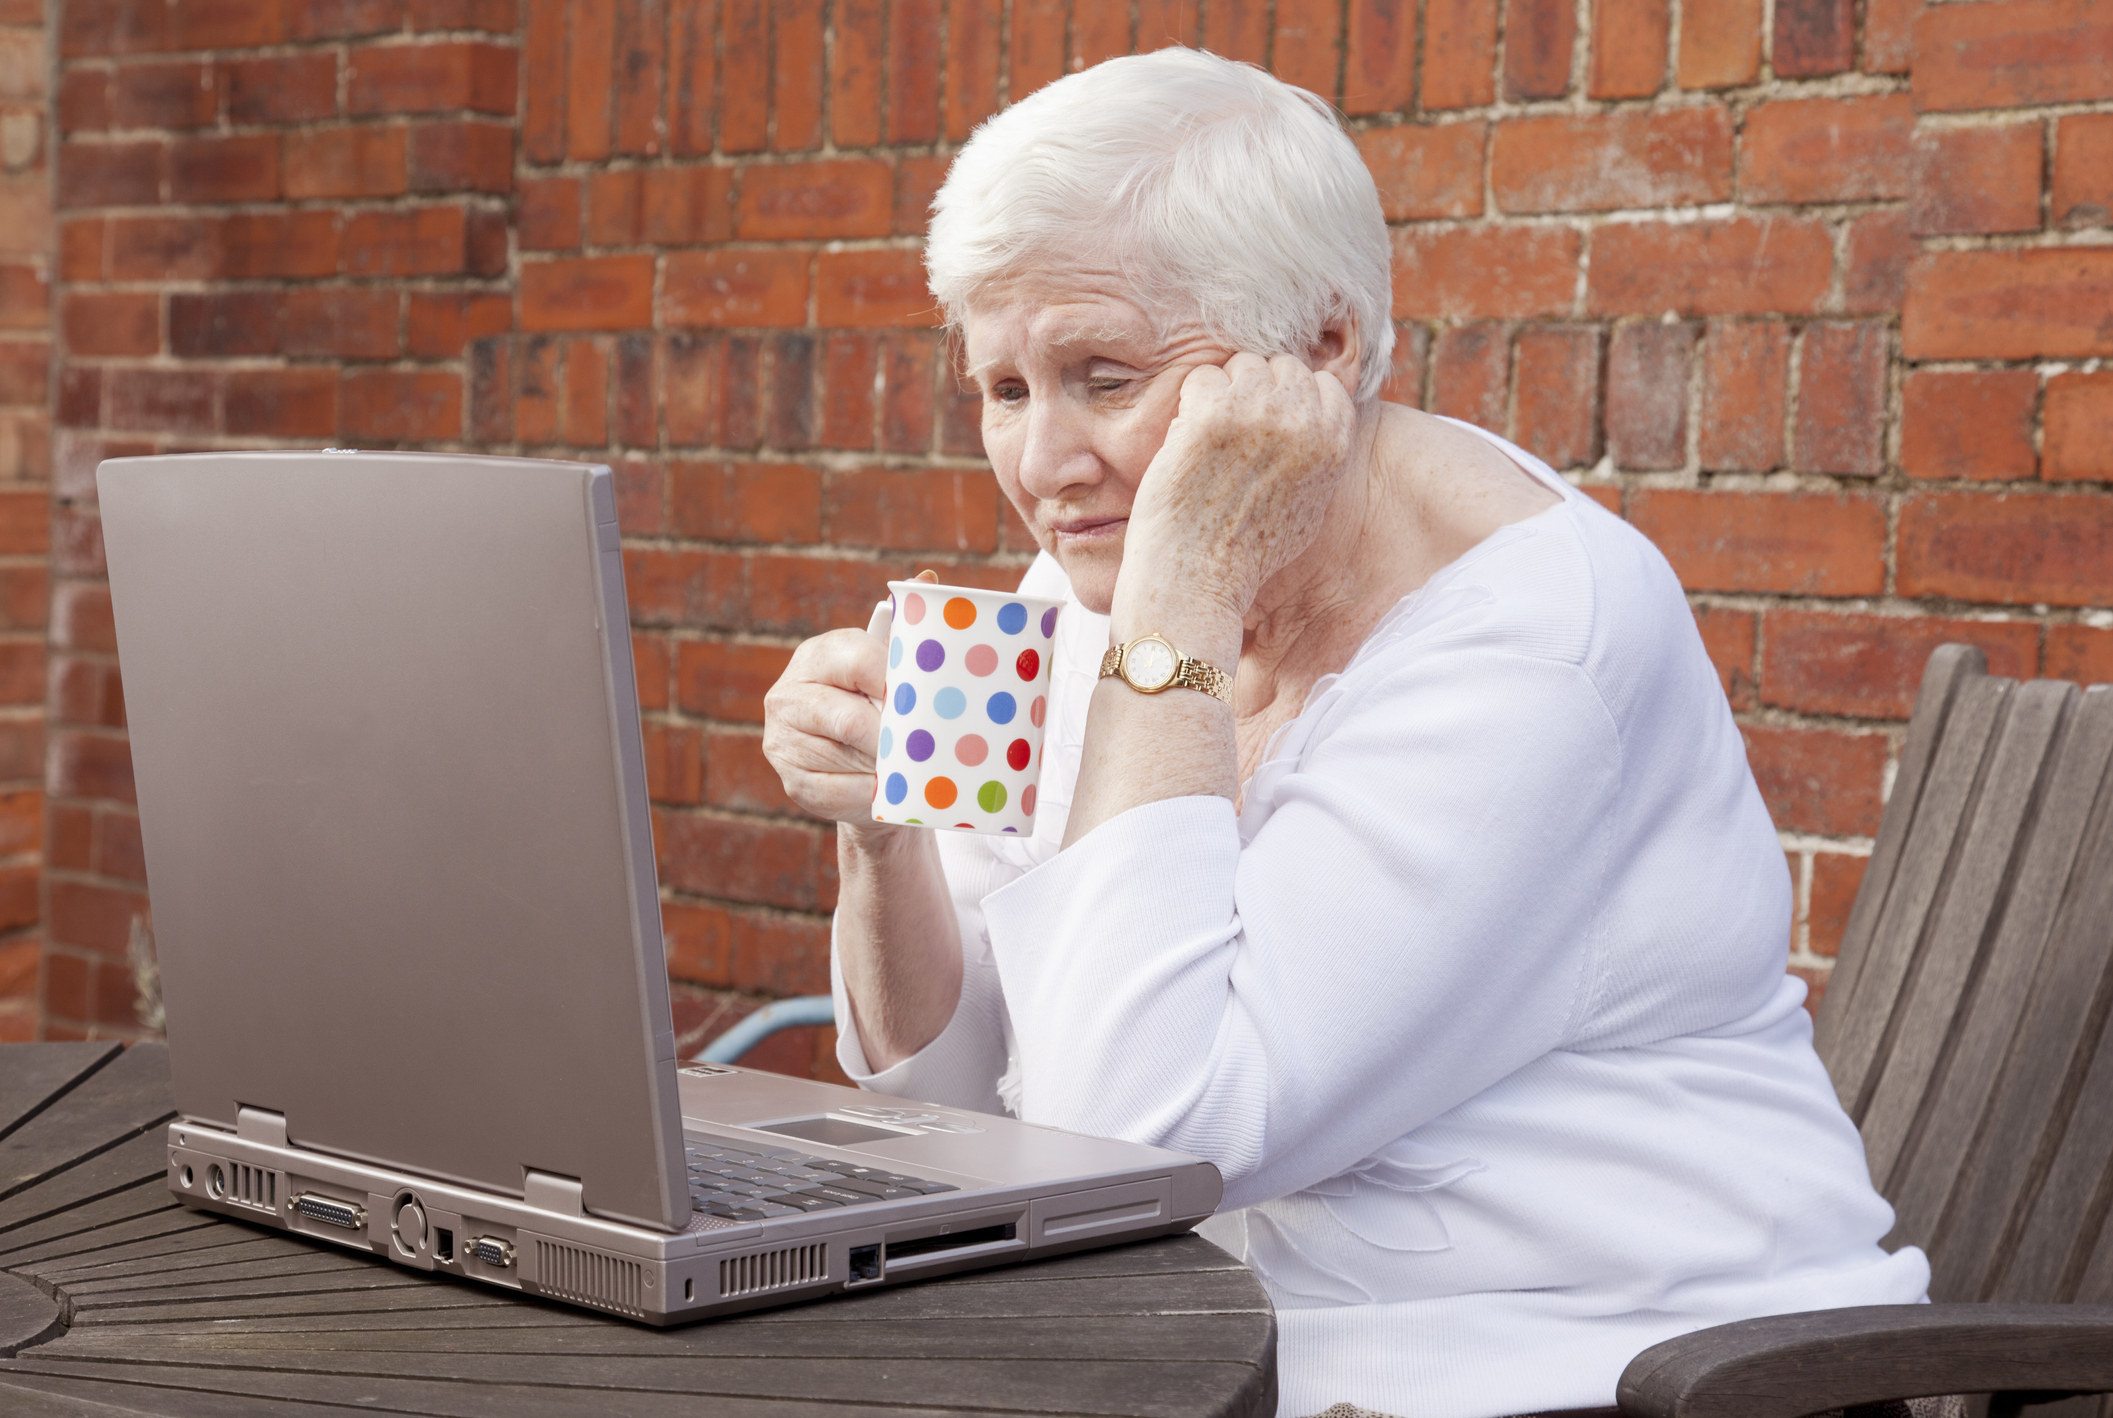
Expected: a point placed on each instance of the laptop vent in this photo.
(591, 1277)
(763, 1271)
(256, 1187)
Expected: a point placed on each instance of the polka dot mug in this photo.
(968, 693)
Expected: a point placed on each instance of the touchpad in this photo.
(830, 1132)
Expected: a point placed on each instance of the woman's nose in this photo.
(1057, 454)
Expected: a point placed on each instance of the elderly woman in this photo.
(1436, 904)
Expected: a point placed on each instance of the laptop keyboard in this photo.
(742, 1185)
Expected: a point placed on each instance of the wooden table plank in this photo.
(120, 1100)
(34, 1078)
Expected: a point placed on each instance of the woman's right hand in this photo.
(821, 721)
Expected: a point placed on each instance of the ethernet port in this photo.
(865, 1264)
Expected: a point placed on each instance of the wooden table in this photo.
(115, 1301)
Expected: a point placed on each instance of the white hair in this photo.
(1219, 193)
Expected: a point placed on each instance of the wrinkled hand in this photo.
(1240, 486)
(821, 721)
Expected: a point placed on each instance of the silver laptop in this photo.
(385, 734)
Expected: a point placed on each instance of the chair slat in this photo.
(1932, 841)
(1948, 667)
(1957, 1099)
(1968, 901)
(2037, 1085)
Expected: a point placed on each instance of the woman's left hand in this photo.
(1240, 486)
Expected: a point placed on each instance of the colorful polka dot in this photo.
(1049, 622)
(1027, 800)
(1029, 664)
(971, 749)
(949, 703)
(991, 796)
(1016, 754)
(898, 787)
(918, 745)
(930, 656)
(912, 608)
(1012, 617)
(894, 652)
(887, 742)
(980, 660)
(1001, 707)
(960, 612)
(1036, 710)
(941, 792)
(905, 698)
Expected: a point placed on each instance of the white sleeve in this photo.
(1410, 923)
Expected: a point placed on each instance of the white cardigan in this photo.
(1478, 1003)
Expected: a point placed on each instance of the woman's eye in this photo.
(1008, 393)
(1106, 385)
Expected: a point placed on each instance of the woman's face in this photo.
(1078, 387)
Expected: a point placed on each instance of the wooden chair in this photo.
(1966, 1031)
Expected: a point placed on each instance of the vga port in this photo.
(331, 1211)
(490, 1250)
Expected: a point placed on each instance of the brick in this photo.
(1459, 53)
(21, 821)
(1379, 58)
(80, 400)
(2082, 193)
(86, 693)
(1795, 543)
(1538, 37)
(1426, 171)
(90, 766)
(908, 396)
(22, 63)
(1515, 272)
(98, 323)
(290, 88)
(491, 390)
(25, 297)
(587, 293)
(590, 64)
(583, 402)
(2006, 548)
(84, 101)
(1648, 364)
(543, 54)
(636, 418)
(912, 509)
(272, 245)
(789, 414)
(653, 664)
(917, 179)
(1629, 42)
(101, 27)
(1745, 368)
(641, 60)
(490, 16)
(536, 389)
(661, 206)
(25, 372)
(81, 618)
(417, 241)
(1558, 398)
(118, 851)
(441, 325)
(739, 777)
(1818, 780)
(1889, 27)
(21, 673)
(1471, 374)
(913, 70)
(2081, 653)
(343, 19)
(1836, 876)
(717, 679)
(2009, 304)
(432, 77)
(1968, 424)
(1720, 44)
(770, 864)
(182, 94)
(94, 917)
(1876, 257)
(400, 405)
(850, 362)
(283, 403)
(1842, 400)
(1973, 180)
(1305, 47)
(1237, 29)
(674, 763)
(1408, 361)
(77, 541)
(159, 400)
(225, 24)
(462, 157)
(796, 83)
(223, 323)
(1733, 266)
(2012, 54)
(357, 323)
(109, 174)
(735, 288)
(25, 448)
(363, 161)
(2079, 431)
(1826, 150)
(688, 588)
(778, 503)
(1813, 37)
(805, 594)
(1600, 162)
(244, 168)
(855, 73)
(1869, 666)
(864, 289)
(549, 214)
(1729, 638)
(809, 201)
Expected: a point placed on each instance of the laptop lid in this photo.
(392, 796)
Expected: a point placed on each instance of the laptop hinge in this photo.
(547, 1191)
(256, 1125)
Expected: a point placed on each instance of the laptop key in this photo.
(805, 1202)
(840, 1196)
(858, 1184)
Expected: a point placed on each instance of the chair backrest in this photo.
(1965, 1026)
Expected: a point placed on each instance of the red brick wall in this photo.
(1816, 303)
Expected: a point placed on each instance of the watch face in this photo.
(1149, 664)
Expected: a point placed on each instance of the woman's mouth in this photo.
(1086, 531)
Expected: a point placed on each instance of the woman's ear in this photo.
(1337, 351)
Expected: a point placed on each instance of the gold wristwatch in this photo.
(1150, 663)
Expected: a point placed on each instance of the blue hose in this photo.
(781, 1014)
